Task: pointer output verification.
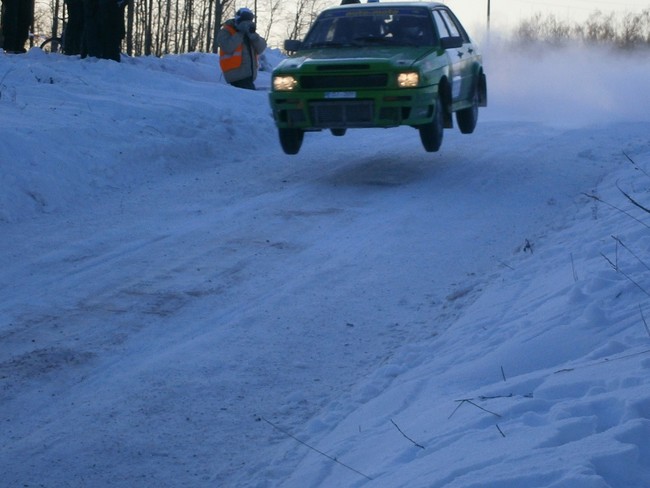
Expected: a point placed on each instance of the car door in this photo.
(460, 51)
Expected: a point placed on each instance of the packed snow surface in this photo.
(183, 305)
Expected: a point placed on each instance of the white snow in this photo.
(183, 305)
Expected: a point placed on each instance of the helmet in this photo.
(244, 14)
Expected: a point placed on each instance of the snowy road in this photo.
(146, 331)
(270, 295)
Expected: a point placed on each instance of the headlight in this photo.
(284, 82)
(408, 79)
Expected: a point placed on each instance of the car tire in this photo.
(467, 117)
(338, 132)
(431, 133)
(291, 140)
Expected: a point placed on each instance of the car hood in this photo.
(379, 57)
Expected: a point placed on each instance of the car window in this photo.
(448, 26)
(322, 31)
(440, 25)
(412, 30)
(401, 26)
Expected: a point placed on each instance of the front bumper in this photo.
(316, 110)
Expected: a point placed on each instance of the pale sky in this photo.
(506, 13)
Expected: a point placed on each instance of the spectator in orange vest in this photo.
(239, 48)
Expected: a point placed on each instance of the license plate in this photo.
(346, 94)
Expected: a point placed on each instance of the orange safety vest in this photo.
(233, 60)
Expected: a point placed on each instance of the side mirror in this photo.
(451, 42)
(292, 45)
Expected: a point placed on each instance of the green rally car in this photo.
(379, 65)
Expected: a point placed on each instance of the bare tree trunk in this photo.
(274, 8)
(148, 27)
(189, 28)
(176, 28)
(296, 23)
(166, 47)
(221, 6)
(209, 29)
(55, 19)
(129, 28)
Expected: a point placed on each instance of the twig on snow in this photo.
(313, 448)
(632, 200)
(494, 397)
(573, 268)
(405, 436)
(619, 270)
(602, 361)
(619, 241)
(635, 165)
(598, 199)
(460, 404)
(613, 265)
(470, 401)
(644, 321)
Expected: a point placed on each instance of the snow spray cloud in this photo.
(566, 86)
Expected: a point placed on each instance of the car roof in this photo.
(388, 4)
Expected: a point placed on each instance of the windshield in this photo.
(400, 26)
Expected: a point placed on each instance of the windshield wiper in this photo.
(360, 41)
(314, 45)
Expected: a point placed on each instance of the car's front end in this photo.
(321, 90)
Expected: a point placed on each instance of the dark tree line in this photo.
(154, 27)
(158, 27)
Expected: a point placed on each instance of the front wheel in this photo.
(291, 140)
(431, 133)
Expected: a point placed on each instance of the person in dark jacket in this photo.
(239, 47)
(17, 16)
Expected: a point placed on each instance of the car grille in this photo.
(342, 67)
(342, 113)
(343, 81)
